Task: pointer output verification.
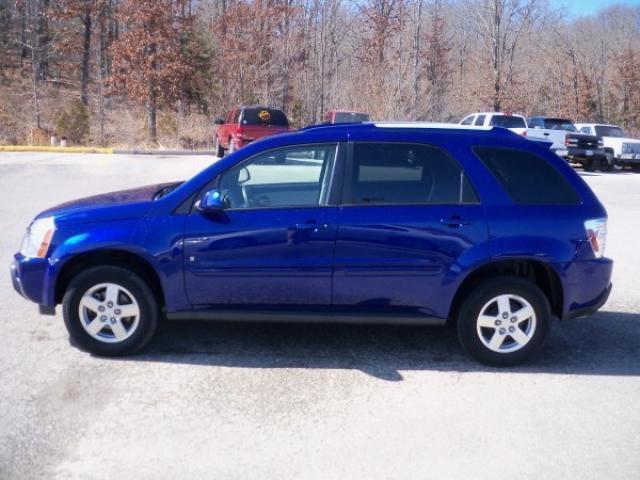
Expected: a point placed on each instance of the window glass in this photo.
(351, 117)
(609, 131)
(535, 123)
(559, 124)
(264, 116)
(468, 120)
(585, 130)
(480, 120)
(287, 177)
(528, 178)
(396, 173)
(508, 121)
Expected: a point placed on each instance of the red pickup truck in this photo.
(243, 125)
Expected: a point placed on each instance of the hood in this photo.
(106, 206)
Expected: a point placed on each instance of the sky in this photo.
(580, 8)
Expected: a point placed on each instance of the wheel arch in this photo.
(538, 272)
(116, 257)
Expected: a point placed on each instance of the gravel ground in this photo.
(309, 401)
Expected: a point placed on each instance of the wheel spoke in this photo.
(504, 305)
(91, 303)
(487, 321)
(496, 341)
(111, 294)
(519, 336)
(95, 326)
(130, 310)
(118, 330)
(525, 313)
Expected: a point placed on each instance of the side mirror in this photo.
(218, 121)
(211, 202)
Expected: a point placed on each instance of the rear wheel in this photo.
(503, 321)
(606, 164)
(219, 148)
(589, 165)
(110, 310)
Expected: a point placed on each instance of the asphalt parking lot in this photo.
(309, 401)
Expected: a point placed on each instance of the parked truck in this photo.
(569, 143)
(620, 149)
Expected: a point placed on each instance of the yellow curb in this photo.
(25, 148)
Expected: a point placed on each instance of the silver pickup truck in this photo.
(569, 143)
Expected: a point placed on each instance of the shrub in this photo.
(73, 123)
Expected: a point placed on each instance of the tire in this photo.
(219, 148)
(589, 165)
(606, 164)
(94, 296)
(485, 331)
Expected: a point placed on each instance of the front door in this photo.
(408, 217)
(273, 243)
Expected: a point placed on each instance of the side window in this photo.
(480, 120)
(468, 120)
(397, 173)
(286, 177)
(534, 123)
(586, 130)
(527, 178)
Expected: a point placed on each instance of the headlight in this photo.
(597, 234)
(38, 237)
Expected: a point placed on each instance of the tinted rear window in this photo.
(351, 117)
(607, 131)
(528, 178)
(507, 121)
(264, 116)
(559, 124)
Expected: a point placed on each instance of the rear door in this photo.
(408, 214)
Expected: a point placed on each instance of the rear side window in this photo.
(264, 116)
(468, 120)
(480, 120)
(398, 173)
(508, 121)
(528, 178)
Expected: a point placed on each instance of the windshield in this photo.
(607, 131)
(351, 117)
(559, 124)
(264, 116)
(507, 121)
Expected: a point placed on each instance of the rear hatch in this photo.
(261, 122)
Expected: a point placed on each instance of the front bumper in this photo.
(29, 278)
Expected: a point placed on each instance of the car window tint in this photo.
(528, 178)
(508, 121)
(468, 120)
(396, 173)
(286, 177)
(264, 116)
(480, 120)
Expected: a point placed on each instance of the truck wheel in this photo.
(589, 165)
(503, 321)
(219, 149)
(605, 164)
(110, 311)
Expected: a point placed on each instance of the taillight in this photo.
(239, 132)
(597, 235)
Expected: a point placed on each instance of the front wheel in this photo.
(110, 310)
(589, 165)
(503, 321)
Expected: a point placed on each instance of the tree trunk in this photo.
(151, 117)
(86, 50)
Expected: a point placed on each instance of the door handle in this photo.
(455, 221)
(309, 225)
(546, 134)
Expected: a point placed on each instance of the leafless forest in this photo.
(147, 72)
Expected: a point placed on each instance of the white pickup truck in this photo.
(624, 151)
(568, 143)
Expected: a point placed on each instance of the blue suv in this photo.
(377, 223)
